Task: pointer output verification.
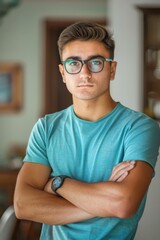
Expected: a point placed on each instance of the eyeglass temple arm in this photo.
(109, 59)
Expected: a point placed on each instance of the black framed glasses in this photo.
(95, 65)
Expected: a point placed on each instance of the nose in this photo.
(85, 72)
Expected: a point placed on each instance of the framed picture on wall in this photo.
(10, 87)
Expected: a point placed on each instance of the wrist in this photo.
(57, 182)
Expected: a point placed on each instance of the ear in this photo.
(61, 69)
(113, 69)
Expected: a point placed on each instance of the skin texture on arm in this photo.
(110, 199)
(34, 202)
(31, 202)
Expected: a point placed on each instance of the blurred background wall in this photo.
(22, 40)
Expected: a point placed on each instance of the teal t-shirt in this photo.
(88, 151)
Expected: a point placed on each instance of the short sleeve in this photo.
(36, 149)
(142, 141)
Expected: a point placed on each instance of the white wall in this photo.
(127, 31)
(21, 40)
(126, 24)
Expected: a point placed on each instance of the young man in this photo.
(78, 178)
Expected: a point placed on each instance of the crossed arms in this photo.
(120, 196)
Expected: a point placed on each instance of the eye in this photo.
(96, 62)
(73, 63)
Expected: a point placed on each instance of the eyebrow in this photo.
(79, 58)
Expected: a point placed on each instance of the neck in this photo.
(93, 110)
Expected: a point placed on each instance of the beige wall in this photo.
(21, 40)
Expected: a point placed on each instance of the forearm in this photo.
(101, 199)
(109, 199)
(39, 206)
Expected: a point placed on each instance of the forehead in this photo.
(84, 49)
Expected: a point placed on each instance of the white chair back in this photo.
(7, 224)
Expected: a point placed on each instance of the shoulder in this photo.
(142, 136)
(135, 118)
(142, 127)
(53, 121)
(138, 125)
(54, 118)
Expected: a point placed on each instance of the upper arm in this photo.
(29, 188)
(135, 186)
(34, 174)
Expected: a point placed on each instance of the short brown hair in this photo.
(86, 31)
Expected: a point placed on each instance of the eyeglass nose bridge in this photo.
(83, 63)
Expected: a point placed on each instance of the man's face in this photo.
(86, 85)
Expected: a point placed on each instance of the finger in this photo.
(122, 177)
(120, 170)
(123, 165)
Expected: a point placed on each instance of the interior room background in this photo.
(22, 41)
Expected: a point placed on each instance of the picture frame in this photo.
(10, 87)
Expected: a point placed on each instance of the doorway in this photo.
(56, 96)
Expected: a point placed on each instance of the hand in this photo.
(121, 171)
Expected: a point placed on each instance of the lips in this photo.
(86, 85)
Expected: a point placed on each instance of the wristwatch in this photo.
(57, 182)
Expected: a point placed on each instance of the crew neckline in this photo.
(99, 120)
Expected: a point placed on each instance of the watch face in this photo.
(57, 183)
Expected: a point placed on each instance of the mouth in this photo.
(85, 85)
